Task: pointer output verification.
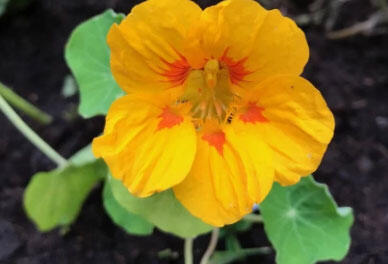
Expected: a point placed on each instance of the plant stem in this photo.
(255, 218)
(24, 106)
(211, 247)
(188, 251)
(364, 27)
(167, 254)
(30, 134)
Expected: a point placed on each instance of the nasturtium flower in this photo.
(215, 106)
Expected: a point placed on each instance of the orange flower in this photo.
(215, 107)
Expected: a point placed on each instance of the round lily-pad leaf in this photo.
(88, 56)
(304, 223)
(162, 209)
(132, 223)
(54, 199)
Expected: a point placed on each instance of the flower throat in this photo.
(208, 90)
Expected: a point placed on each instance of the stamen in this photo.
(209, 92)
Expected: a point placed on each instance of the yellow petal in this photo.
(256, 158)
(231, 173)
(253, 43)
(148, 46)
(149, 146)
(280, 48)
(296, 123)
(230, 24)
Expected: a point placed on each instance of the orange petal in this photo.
(299, 124)
(253, 43)
(148, 47)
(231, 173)
(149, 147)
(280, 47)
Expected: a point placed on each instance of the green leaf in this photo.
(130, 222)
(234, 252)
(14, 5)
(162, 209)
(232, 243)
(239, 227)
(304, 223)
(88, 55)
(83, 156)
(227, 256)
(3, 6)
(55, 198)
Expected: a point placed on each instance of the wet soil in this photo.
(351, 73)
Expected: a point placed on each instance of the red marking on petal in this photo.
(216, 139)
(237, 69)
(177, 72)
(253, 114)
(169, 119)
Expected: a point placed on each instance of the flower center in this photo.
(208, 90)
(211, 71)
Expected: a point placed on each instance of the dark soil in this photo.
(352, 74)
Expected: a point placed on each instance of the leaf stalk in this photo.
(15, 119)
(188, 250)
(212, 246)
(26, 107)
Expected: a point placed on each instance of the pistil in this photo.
(211, 69)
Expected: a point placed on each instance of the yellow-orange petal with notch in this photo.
(148, 47)
(230, 24)
(256, 157)
(298, 124)
(280, 48)
(149, 146)
(231, 172)
(252, 42)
